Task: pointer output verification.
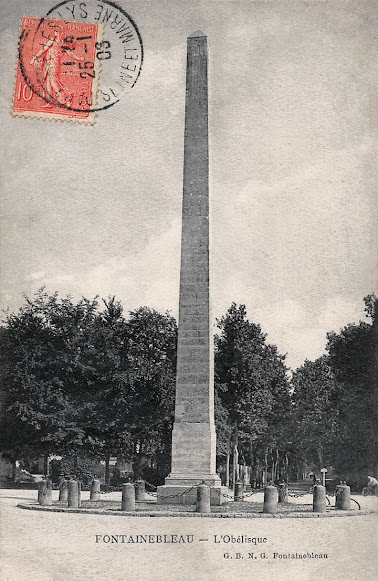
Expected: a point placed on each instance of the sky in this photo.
(96, 210)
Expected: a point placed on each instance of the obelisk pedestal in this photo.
(193, 436)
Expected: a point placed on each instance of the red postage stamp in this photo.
(57, 72)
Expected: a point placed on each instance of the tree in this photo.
(352, 356)
(151, 374)
(102, 382)
(252, 386)
(315, 396)
(79, 381)
(335, 402)
(42, 379)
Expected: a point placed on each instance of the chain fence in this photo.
(298, 494)
(358, 504)
(179, 493)
(150, 485)
(230, 496)
(293, 493)
(226, 495)
(154, 494)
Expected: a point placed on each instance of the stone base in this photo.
(176, 484)
(173, 494)
(188, 480)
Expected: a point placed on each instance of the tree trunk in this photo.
(107, 469)
(320, 454)
(14, 470)
(251, 463)
(246, 475)
(265, 475)
(46, 465)
(257, 482)
(275, 467)
(273, 472)
(235, 465)
(286, 469)
(227, 483)
(235, 455)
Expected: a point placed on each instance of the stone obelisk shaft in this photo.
(193, 437)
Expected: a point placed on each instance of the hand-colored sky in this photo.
(293, 119)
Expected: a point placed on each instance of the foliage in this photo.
(315, 396)
(84, 469)
(223, 426)
(145, 402)
(44, 365)
(251, 385)
(86, 382)
(335, 402)
(352, 356)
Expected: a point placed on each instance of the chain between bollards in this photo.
(180, 493)
(132, 492)
(151, 485)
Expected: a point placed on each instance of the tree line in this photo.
(335, 402)
(84, 381)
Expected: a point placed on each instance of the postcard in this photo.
(174, 172)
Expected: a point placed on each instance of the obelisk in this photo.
(193, 436)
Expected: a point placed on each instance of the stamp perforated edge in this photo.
(45, 116)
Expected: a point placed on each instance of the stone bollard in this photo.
(140, 490)
(337, 494)
(41, 488)
(203, 498)
(238, 492)
(95, 490)
(73, 494)
(45, 493)
(282, 492)
(270, 500)
(319, 499)
(128, 497)
(63, 491)
(343, 497)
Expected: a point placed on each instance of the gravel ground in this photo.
(44, 546)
